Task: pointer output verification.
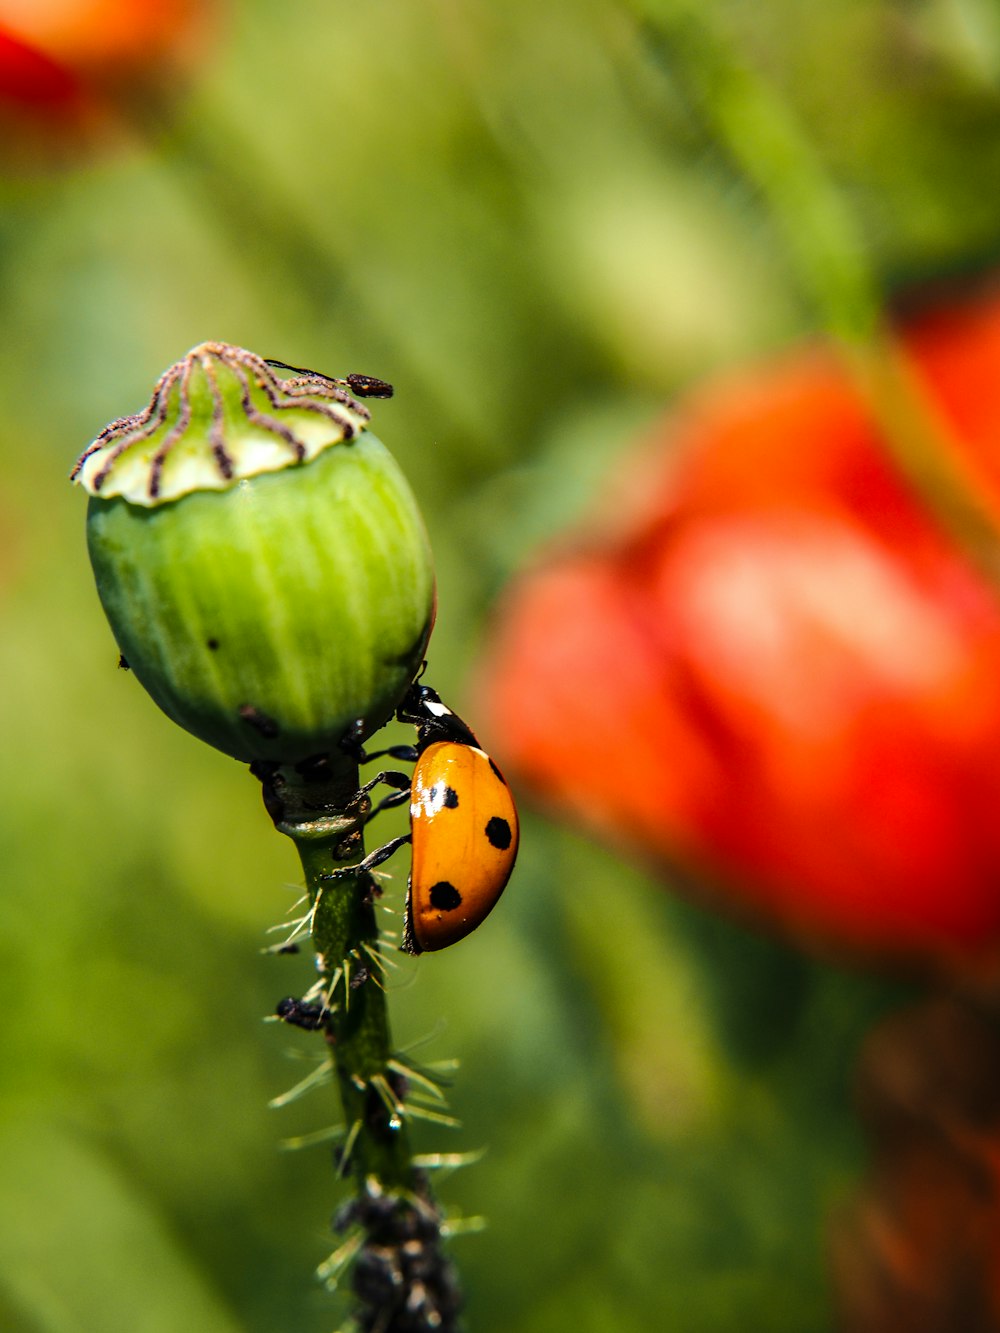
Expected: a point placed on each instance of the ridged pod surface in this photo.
(259, 555)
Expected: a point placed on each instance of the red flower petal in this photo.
(780, 671)
(30, 78)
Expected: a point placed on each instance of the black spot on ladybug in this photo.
(444, 897)
(253, 717)
(212, 645)
(446, 799)
(122, 664)
(498, 833)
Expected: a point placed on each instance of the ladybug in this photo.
(463, 826)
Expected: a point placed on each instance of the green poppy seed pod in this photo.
(259, 555)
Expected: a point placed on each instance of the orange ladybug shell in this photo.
(465, 833)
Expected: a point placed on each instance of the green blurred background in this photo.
(517, 214)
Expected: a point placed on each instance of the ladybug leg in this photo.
(388, 802)
(391, 778)
(401, 781)
(350, 743)
(407, 753)
(373, 859)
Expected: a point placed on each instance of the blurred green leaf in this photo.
(98, 1255)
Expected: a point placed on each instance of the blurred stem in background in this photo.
(827, 252)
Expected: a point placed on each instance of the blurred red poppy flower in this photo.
(768, 666)
(71, 70)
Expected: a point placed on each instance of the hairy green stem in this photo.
(401, 1277)
(324, 816)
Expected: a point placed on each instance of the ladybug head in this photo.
(434, 720)
(420, 704)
